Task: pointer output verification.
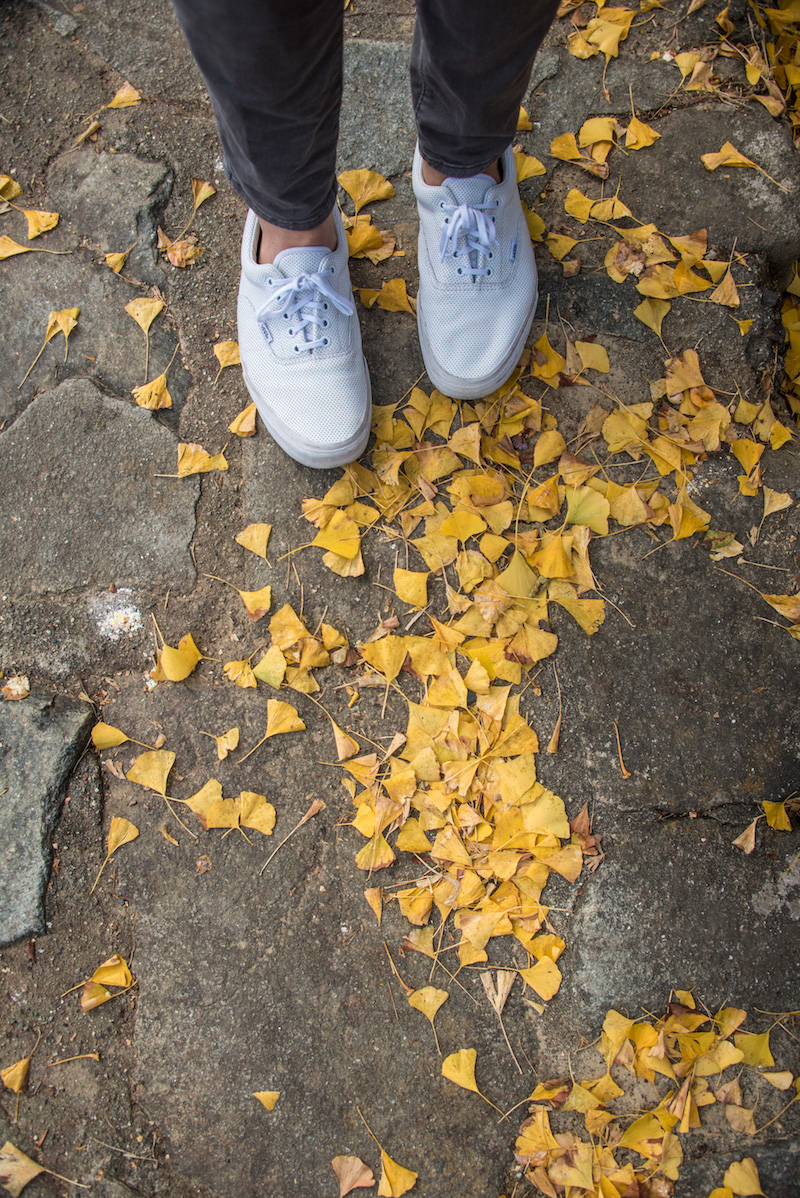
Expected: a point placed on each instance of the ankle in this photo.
(435, 178)
(273, 239)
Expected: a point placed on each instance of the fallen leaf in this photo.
(193, 459)
(175, 664)
(267, 1098)
(227, 741)
(364, 187)
(227, 354)
(201, 192)
(14, 1076)
(126, 97)
(352, 1173)
(39, 222)
(244, 425)
(144, 311)
(153, 395)
(16, 1169)
(18, 687)
(392, 297)
(9, 247)
(152, 769)
(395, 1180)
(742, 1178)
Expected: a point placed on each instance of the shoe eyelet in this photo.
(286, 316)
(325, 307)
(324, 324)
(296, 349)
(491, 255)
(324, 340)
(459, 271)
(488, 270)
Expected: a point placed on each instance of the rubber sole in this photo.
(456, 388)
(317, 458)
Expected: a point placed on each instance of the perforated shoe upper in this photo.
(478, 285)
(300, 345)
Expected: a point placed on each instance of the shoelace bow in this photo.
(468, 231)
(302, 300)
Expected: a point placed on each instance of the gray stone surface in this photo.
(735, 204)
(82, 505)
(40, 741)
(377, 123)
(110, 202)
(106, 344)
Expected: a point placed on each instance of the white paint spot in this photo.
(116, 615)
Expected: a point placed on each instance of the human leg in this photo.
(478, 286)
(274, 74)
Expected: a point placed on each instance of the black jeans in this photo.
(273, 69)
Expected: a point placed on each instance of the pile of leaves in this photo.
(695, 1059)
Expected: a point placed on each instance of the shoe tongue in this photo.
(470, 191)
(304, 259)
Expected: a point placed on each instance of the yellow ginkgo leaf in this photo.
(565, 147)
(151, 769)
(227, 354)
(363, 237)
(153, 395)
(113, 972)
(639, 136)
(267, 1098)
(272, 668)
(244, 425)
(395, 1180)
(777, 817)
(9, 188)
(559, 245)
(57, 322)
(412, 587)
(126, 97)
(255, 538)
(376, 854)
(122, 831)
(523, 120)
(428, 1000)
(593, 356)
(528, 166)
(144, 311)
(201, 192)
(742, 1177)
(578, 205)
(364, 187)
(340, 534)
(205, 798)
(193, 459)
(256, 812)
(94, 995)
(544, 977)
(755, 1048)
(240, 672)
(177, 663)
(345, 745)
(15, 1076)
(651, 312)
(9, 247)
(392, 297)
(282, 718)
(104, 736)
(386, 655)
(17, 1169)
(257, 602)
(39, 222)
(459, 1068)
(116, 261)
(227, 741)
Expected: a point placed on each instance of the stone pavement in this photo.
(282, 982)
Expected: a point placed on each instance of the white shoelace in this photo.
(303, 300)
(479, 235)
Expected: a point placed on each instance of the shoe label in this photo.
(512, 253)
(267, 333)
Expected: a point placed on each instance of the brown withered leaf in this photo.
(352, 1173)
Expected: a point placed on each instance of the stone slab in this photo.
(81, 505)
(40, 741)
(106, 344)
(377, 122)
(113, 201)
(665, 902)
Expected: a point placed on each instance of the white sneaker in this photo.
(477, 280)
(300, 345)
